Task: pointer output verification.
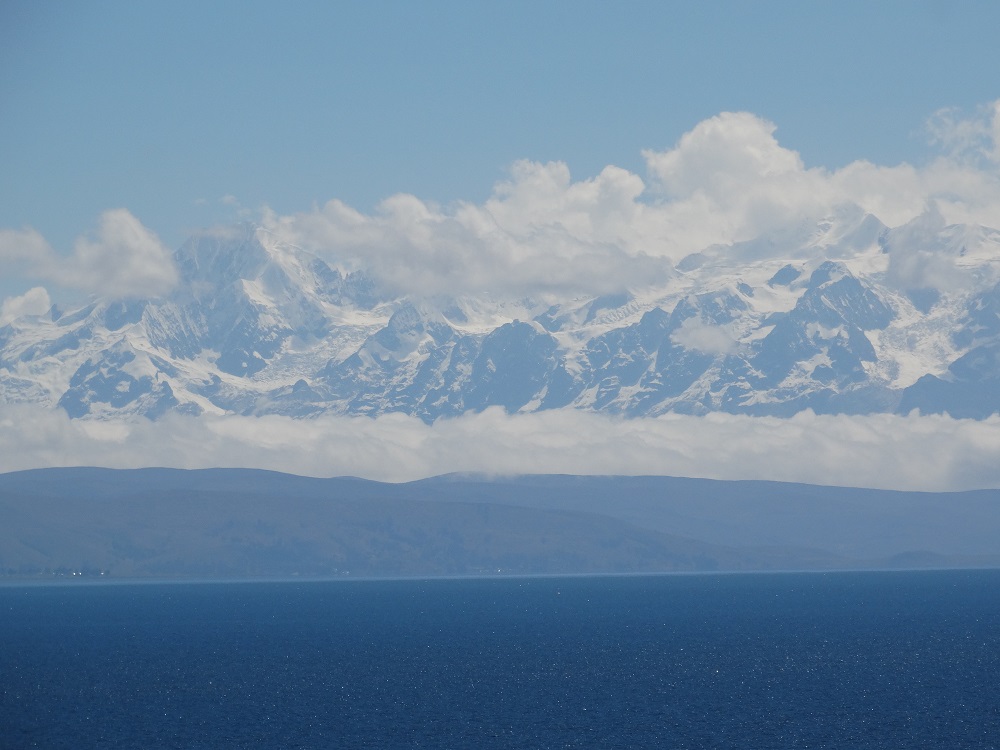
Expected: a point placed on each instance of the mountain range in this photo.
(842, 315)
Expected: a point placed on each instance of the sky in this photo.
(404, 130)
(189, 114)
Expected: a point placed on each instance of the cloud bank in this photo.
(727, 180)
(883, 451)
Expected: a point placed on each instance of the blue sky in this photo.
(165, 108)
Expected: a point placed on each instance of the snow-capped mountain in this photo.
(841, 316)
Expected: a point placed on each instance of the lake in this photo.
(814, 660)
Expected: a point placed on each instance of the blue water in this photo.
(847, 660)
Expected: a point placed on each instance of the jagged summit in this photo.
(843, 315)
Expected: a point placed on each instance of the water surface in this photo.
(846, 660)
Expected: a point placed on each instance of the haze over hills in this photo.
(225, 523)
(840, 316)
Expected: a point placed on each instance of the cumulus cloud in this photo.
(122, 258)
(539, 233)
(22, 249)
(728, 180)
(884, 451)
(33, 302)
(723, 153)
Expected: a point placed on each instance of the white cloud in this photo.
(122, 258)
(918, 258)
(22, 249)
(695, 333)
(884, 451)
(540, 233)
(968, 139)
(33, 302)
(727, 180)
(723, 156)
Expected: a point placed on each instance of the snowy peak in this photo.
(836, 296)
(252, 258)
(840, 315)
(222, 257)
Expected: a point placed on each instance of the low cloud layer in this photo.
(885, 451)
(121, 258)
